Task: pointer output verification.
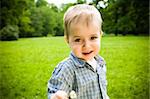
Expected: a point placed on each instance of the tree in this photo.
(37, 22)
(17, 12)
(40, 3)
(49, 20)
(126, 16)
(59, 30)
(25, 27)
(9, 32)
(10, 11)
(81, 1)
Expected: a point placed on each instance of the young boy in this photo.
(84, 72)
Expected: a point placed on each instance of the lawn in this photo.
(27, 64)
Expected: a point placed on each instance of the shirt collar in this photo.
(81, 63)
(100, 60)
(78, 62)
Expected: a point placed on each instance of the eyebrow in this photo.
(94, 34)
(76, 36)
(89, 35)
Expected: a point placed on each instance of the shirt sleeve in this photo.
(62, 79)
(102, 72)
(104, 78)
(105, 82)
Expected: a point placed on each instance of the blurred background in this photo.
(37, 18)
(32, 44)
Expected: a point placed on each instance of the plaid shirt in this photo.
(78, 75)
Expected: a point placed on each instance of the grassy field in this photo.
(27, 64)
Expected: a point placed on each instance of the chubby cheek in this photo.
(97, 47)
(76, 50)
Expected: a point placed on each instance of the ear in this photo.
(101, 33)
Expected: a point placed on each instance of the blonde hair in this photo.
(81, 13)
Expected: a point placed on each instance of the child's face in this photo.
(85, 41)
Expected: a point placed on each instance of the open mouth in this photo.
(87, 53)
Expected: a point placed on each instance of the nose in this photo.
(86, 44)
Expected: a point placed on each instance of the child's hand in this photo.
(60, 95)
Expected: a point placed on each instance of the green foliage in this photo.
(64, 7)
(81, 1)
(10, 32)
(122, 25)
(126, 16)
(37, 22)
(27, 64)
(41, 3)
(10, 12)
(39, 18)
(24, 25)
(58, 29)
(49, 20)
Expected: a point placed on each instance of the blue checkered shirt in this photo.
(76, 74)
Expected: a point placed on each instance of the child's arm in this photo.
(59, 95)
(105, 82)
(102, 73)
(61, 81)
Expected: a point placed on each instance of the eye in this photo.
(77, 40)
(94, 37)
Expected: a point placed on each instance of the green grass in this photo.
(26, 66)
